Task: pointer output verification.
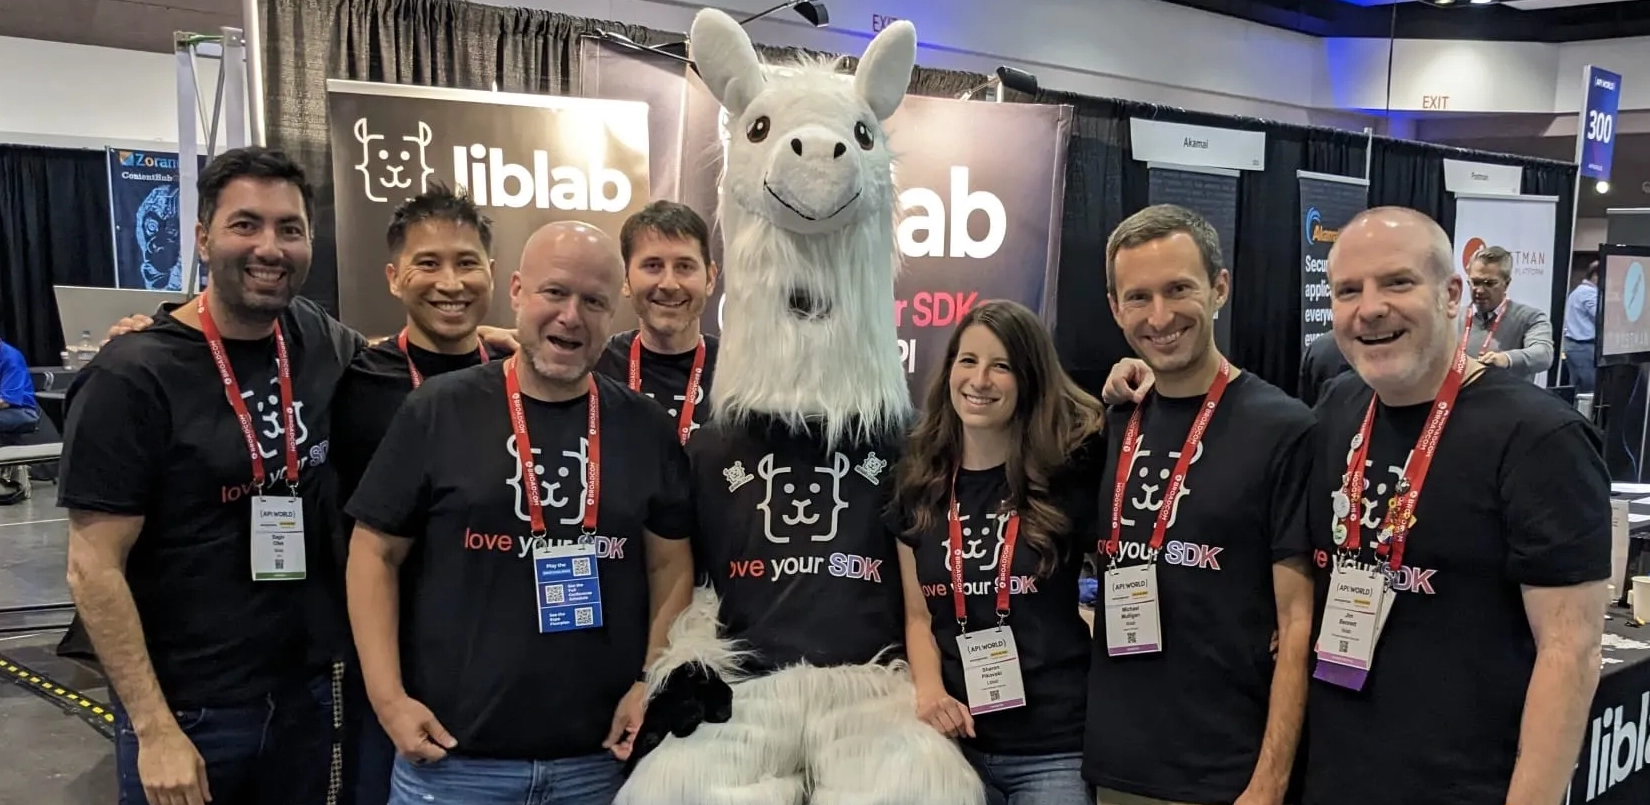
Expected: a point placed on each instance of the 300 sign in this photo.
(1601, 127)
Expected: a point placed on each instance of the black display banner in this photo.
(1213, 194)
(1614, 765)
(1327, 205)
(143, 216)
(980, 215)
(528, 160)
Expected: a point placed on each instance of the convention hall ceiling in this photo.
(128, 24)
(1505, 20)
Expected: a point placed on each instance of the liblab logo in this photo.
(395, 166)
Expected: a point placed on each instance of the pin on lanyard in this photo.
(1400, 513)
(524, 448)
(232, 390)
(418, 379)
(684, 424)
(1499, 309)
(1113, 547)
(1005, 563)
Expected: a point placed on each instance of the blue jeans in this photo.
(276, 750)
(1578, 360)
(19, 420)
(457, 780)
(1032, 779)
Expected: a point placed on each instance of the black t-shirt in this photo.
(1186, 723)
(664, 377)
(1517, 494)
(793, 539)
(1049, 632)
(150, 433)
(447, 477)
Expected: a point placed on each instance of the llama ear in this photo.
(885, 70)
(726, 60)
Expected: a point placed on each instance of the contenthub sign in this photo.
(981, 193)
(527, 160)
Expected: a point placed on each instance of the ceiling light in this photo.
(1602, 187)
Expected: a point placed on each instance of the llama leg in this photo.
(866, 746)
(754, 758)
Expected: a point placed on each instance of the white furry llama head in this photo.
(807, 208)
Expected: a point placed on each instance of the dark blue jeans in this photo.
(458, 780)
(19, 420)
(1578, 360)
(1055, 779)
(276, 750)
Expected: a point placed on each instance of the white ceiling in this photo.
(145, 25)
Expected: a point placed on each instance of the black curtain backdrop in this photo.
(438, 43)
(54, 230)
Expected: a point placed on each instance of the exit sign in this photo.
(1434, 101)
(881, 21)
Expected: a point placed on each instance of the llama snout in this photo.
(814, 177)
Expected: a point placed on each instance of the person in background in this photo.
(1472, 509)
(531, 480)
(441, 271)
(1500, 332)
(1011, 447)
(1204, 619)
(19, 415)
(195, 474)
(1581, 332)
(1321, 363)
(668, 279)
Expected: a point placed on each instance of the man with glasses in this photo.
(1501, 332)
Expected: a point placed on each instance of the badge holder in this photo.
(1355, 610)
(568, 583)
(991, 667)
(1132, 618)
(278, 537)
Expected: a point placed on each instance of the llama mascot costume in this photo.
(777, 687)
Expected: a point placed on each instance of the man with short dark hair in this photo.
(1461, 521)
(668, 278)
(535, 516)
(1500, 332)
(195, 473)
(1581, 332)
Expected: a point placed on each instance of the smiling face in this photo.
(1395, 300)
(984, 390)
(256, 246)
(1164, 302)
(668, 282)
(443, 278)
(563, 296)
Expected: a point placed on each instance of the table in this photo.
(1613, 768)
(23, 455)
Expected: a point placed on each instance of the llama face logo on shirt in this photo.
(802, 502)
(271, 423)
(393, 167)
(982, 542)
(1379, 488)
(1149, 479)
(561, 485)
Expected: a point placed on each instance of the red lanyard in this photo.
(684, 424)
(418, 379)
(1499, 309)
(1400, 513)
(1005, 562)
(1125, 462)
(524, 448)
(232, 390)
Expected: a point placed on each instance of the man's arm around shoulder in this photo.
(170, 767)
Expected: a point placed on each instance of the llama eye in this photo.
(863, 135)
(758, 130)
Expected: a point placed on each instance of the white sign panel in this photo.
(1524, 226)
(1477, 177)
(1197, 146)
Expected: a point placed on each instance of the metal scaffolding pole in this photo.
(229, 107)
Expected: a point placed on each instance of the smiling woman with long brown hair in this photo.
(994, 504)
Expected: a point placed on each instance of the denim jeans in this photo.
(458, 780)
(276, 750)
(19, 420)
(1032, 779)
(1578, 362)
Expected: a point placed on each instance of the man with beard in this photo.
(531, 480)
(194, 474)
(668, 278)
(441, 271)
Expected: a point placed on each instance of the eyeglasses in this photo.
(1490, 282)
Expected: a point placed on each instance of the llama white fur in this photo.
(808, 208)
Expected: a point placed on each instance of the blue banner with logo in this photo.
(149, 240)
(1598, 122)
(1327, 204)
